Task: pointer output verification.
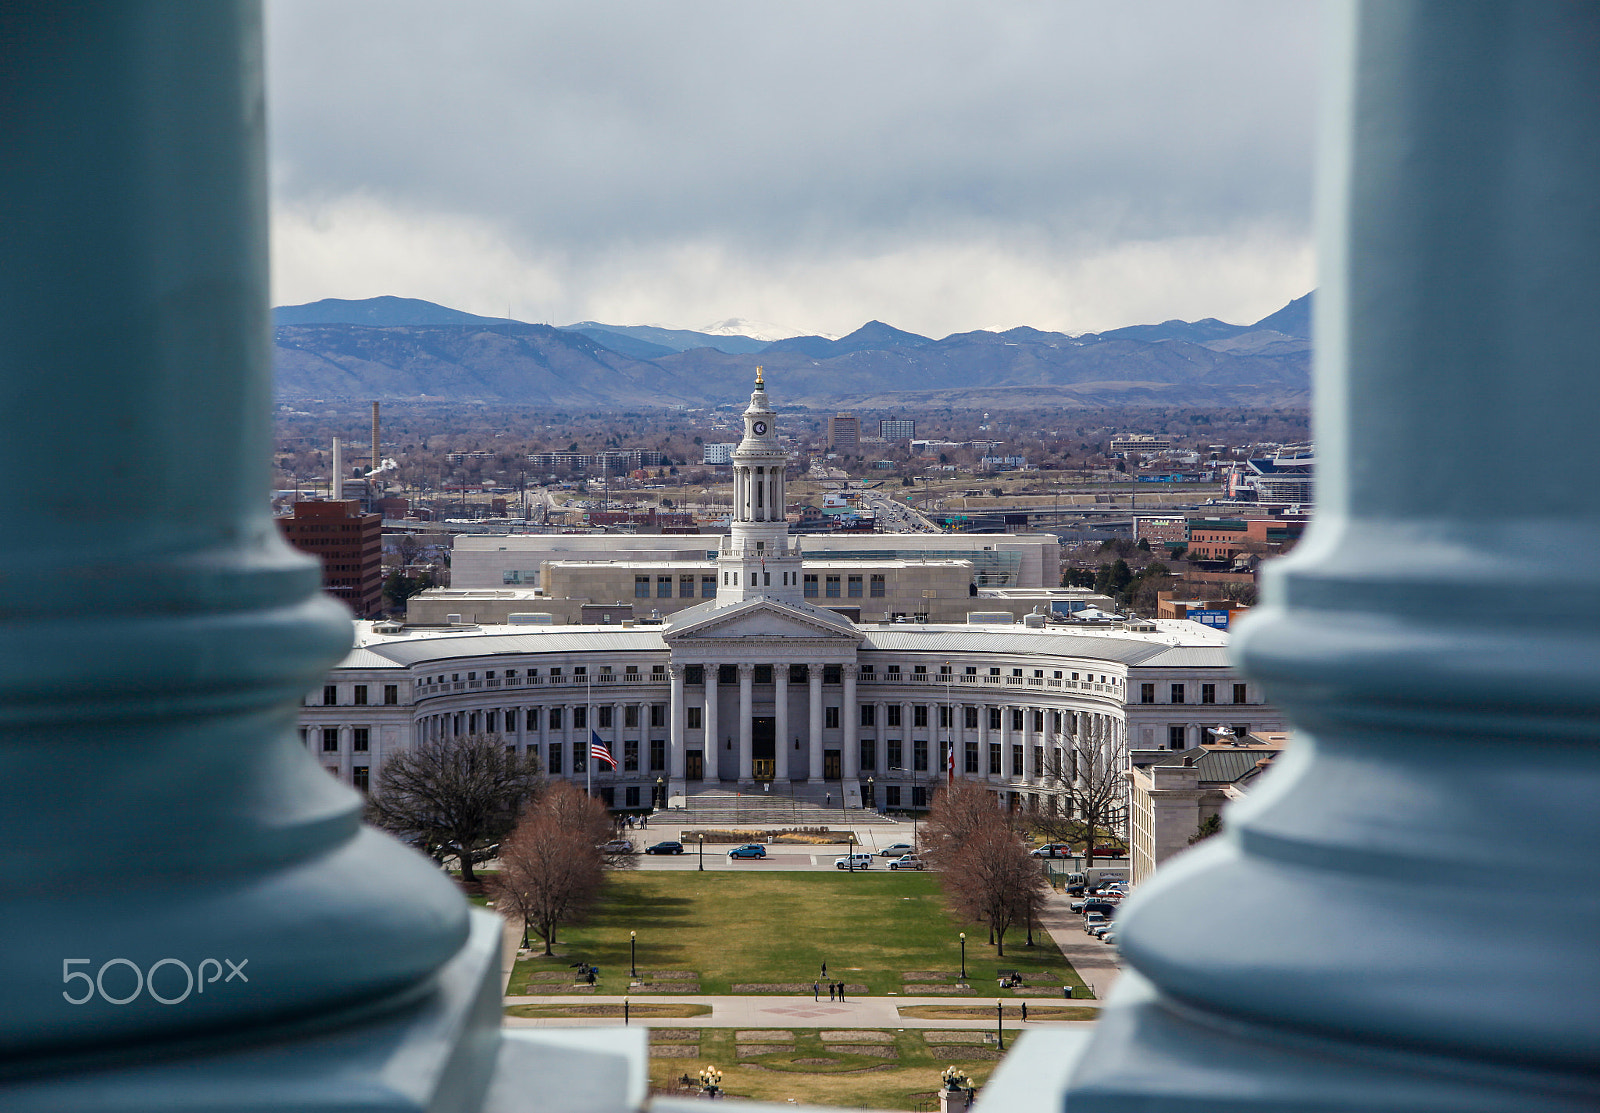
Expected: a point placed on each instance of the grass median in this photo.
(751, 933)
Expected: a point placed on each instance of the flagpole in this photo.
(588, 722)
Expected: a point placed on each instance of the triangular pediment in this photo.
(759, 619)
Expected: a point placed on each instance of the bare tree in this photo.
(551, 866)
(453, 796)
(1089, 796)
(983, 865)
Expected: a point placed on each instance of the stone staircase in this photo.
(749, 805)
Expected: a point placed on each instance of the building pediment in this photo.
(759, 619)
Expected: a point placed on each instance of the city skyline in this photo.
(941, 168)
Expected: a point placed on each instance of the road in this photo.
(781, 857)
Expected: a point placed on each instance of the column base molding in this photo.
(1157, 1056)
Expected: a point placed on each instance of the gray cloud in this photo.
(773, 158)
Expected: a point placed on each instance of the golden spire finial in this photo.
(758, 378)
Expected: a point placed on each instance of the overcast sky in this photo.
(939, 166)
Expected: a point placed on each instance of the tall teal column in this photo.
(178, 867)
(1406, 915)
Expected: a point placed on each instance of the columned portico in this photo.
(746, 711)
(676, 712)
(712, 750)
(814, 673)
(780, 715)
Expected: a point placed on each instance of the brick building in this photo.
(350, 546)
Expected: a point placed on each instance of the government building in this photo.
(755, 682)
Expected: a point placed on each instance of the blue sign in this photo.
(1219, 619)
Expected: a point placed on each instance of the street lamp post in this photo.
(999, 1032)
(963, 956)
(872, 794)
(702, 851)
(633, 953)
(661, 793)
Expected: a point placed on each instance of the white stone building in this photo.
(762, 684)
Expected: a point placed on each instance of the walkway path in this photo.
(792, 1012)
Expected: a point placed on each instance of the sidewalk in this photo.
(792, 1012)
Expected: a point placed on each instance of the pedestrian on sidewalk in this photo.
(841, 991)
(1024, 1012)
(830, 991)
(824, 969)
(816, 991)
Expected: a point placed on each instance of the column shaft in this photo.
(849, 717)
(746, 727)
(711, 757)
(675, 720)
(814, 742)
(783, 745)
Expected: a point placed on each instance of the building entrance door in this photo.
(831, 765)
(763, 755)
(693, 767)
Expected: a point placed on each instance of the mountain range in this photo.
(392, 348)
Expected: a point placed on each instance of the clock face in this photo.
(759, 428)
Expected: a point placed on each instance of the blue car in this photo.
(748, 850)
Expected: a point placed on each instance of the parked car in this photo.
(1053, 850)
(748, 850)
(908, 862)
(671, 846)
(898, 850)
(1106, 908)
(618, 846)
(1094, 920)
(861, 861)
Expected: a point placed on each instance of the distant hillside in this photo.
(467, 358)
(619, 338)
(384, 312)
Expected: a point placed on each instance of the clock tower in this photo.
(759, 559)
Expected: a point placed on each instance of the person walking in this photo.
(816, 991)
(830, 991)
(824, 969)
(1024, 1012)
(841, 992)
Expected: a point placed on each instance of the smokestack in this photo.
(338, 471)
(376, 462)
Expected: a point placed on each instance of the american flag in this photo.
(599, 752)
(950, 762)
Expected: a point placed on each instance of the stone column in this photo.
(907, 736)
(544, 735)
(149, 715)
(814, 742)
(644, 739)
(783, 745)
(1030, 768)
(1460, 258)
(675, 729)
(983, 743)
(849, 718)
(711, 753)
(746, 728)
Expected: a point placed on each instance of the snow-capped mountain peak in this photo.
(756, 330)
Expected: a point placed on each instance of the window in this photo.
(854, 587)
(359, 695)
(970, 759)
(580, 718)
(359, 778)
(658, 755)
(762, 675)
(391, 694)
(809, 585)
(833, 587)
(605, 718)
(919, 715)
(511, 719)
(1038, 760)
(1177, 738)
(869, 755)
(831, 674)
(658, 714)
(641, 587)
(879, 586)
(1016, 718)
(994, 672)
(1239, 694)
(830, 718)
(1147, 692)
(893, 754)
(533, 718)
(630, 717)
(1241, 729)
(685, 590)
(868, 715)
(994, 759)
(708, 587)
(555, 721)
(1016, 672)
(663, 587)
(894, 670)
(360, 739)
(944, 716)
(1016, 761)
(694, 674)
(580, 757)
(631, 796)
(893, 711)
(994, 718)
(1038, 721)
(491, 722)
(692, 717)
(630, 756)
(971, 670)
(919, 756)
(1177, 693)
(330, 695)
(330, 740)
(919, 796)
(799, 674)
(728, 674)
(891, 796)
(658, 672)
(555, 754)
(1208, 693)
(970, 717)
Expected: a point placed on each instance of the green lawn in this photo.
(870, 1069)
(778, 928)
